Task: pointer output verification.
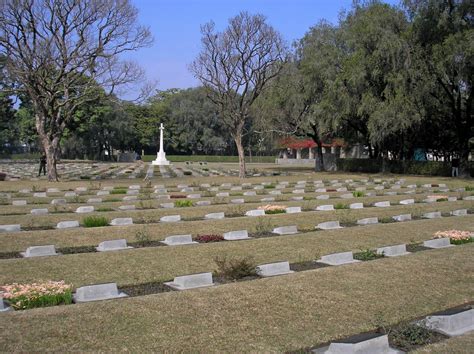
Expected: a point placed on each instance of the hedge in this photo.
(211, 158)
(430, 168)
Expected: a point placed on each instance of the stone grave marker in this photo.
(250, 193)
(329, 225)
(39, 251)
(167, 205)
(19, 202)
(42, 211)
(3, 306)
(177, 240)
(367, 344)
(407, 201)
(296, 198)
(170, 218)
(237, 201)
(382, 204)
(214, 216)
(52, 190)
(59, 201)
(203, 202)
(85, 209)
(129, 198)
(97, 292)
(452, 323)
(113, 245)
(368, 221)
(432, 215)
(393, 251)
(459, 212)
(268, 199)
(325, 207)
(94, 200)
(338, 258)
(121, 222)
(10, 228)
(293, 210)
(322, 197)
(402, 217)
(67, 224)
(356, 206)
(39, 195)
(285, 230)
(70, 194)
(222, 194)
(193, 196)
(255, 212)
(298, 191)
(236, 235)
(127, 207)
(438, 243)
(192, 281)
(273, 269)
(452, 199)
(99, 193)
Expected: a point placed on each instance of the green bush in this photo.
(118, 191)
(339, 206)
(358, 194)
(269, 186)
(187, 173)
(367, 255)
(183, 203)
(95, 221)
(275, 211)
(235, 268)
(212, 158)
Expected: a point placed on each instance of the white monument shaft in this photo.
(161, 156)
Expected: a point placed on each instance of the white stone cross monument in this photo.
(161, 156)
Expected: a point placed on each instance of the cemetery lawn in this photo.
(164, 263)
(266, 315)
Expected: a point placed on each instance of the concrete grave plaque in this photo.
(275, 192)
(94, 200)
(10, 228)
(273, 269)
(121, 222)
(237, 201)
(356, 206)
(250, 193)
(19, 202)
(113, 245)
(296, 198)
(170, 218)
(329, 225)
(70, 194)
(129, 198)
(325, 207)
(382, 204)
(81, 189)
(368, 221)
(320, 190)
(432, 215)
(285, 230)
(42, 211)
(268, 199)
(293, 210)
(222, 194)
(192, 281)
(471, 197)
(39, 251)
(322, 197)
(393, 251)
(214, 216)
(133, 192)
(374, 344)
(402, 217)
(338, 258)
(193, 196)
(85, 209)
(452, 199)
(127, 207)
(298, 191)
(39, 195)
(187, 190)
(59, 201)
(258, 188)
(236, 188)
(97, 292)
(99, 193)
(52, 190)
(167, 205)
(438, 243)
(452, 323)
(459, 212)
(67, 224)
(343, 189)
(407, 201)
(203, 202)
(177, 240)
(256, 212)
(3, 306)
(236, 235)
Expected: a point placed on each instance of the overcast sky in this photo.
(175, 25)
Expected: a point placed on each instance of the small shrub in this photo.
(367, 255)
(142, 237)
(104, 209)
(85, 177)
(386, 220)
(235, 211)
(469, 188)
(235, 268)
(28, 296)
(276, 211)
(273, 209)
(205, 169)
(95, 221)
(358, 194)
(340, 206)
(183, 203)
(118, 191)
(187, 173)
(442, 199)
(408, 335)
(209, 238)
(263, 226)
(177, 196)
(269, 186)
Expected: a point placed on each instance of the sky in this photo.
(175, 25)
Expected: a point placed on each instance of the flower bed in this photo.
(209, 238)
(176, 196)
(27, 296)
(456, 237)
(273, 209)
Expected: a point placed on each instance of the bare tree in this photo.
(61, 51)
(235, 65)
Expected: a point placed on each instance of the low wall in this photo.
(329, 162)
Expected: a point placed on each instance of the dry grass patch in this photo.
(268, 315)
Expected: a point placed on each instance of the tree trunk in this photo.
(319, 164)
(241, 152)
(51, 149)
